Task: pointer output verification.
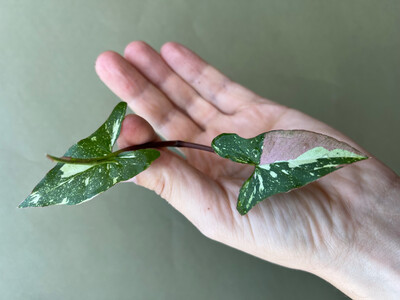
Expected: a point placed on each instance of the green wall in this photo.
(336, 60)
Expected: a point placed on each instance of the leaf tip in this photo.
(360, 156)
(241, 209)
(23, 204)
(122, 104)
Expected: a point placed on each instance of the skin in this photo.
(344, 227)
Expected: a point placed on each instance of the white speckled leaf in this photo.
(100, 143)
(72, 184)
(284, 160)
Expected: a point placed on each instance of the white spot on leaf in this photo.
(129, 154)
(115, 131)
(260, 180)
(266, 167)
(273, 174)
(69, 170)
(34, 198)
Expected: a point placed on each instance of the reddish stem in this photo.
(161, 144)
(105, 159)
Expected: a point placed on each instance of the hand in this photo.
(335, 227)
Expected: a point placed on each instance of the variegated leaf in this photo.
(284, 160)
(72, 184)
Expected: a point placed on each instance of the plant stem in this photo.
(108, 158)
(178, 144)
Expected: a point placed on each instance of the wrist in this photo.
(364, 274)
(369, 266)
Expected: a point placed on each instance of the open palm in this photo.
(184, 98)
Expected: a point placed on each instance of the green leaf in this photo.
(284, 160)
(100, 143)
(233, 147)
(71, 183)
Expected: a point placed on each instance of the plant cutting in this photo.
(283, 160)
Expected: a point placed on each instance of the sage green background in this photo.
(335, 60)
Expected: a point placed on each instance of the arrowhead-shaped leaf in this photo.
(70, 183)
(284, 160)
(100, 143)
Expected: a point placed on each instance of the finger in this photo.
(170, 176)
(210, 83)
(143, 97)
(149, 63)
(135, 131)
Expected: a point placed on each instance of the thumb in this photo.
(170, 176)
